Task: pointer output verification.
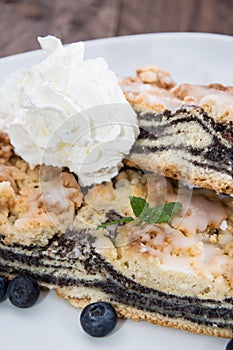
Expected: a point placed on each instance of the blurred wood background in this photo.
(21, 21)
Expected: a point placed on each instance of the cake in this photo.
(103, 209)
(186, 130)
(176, 274)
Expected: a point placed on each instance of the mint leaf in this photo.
(109, 223)
(158, 214)
(138, 204)
(161, 213)
(172, 208)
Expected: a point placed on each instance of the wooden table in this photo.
(21, 21)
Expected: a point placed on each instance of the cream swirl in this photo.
(69, 112)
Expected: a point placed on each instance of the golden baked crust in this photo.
(139, 315)
(154, 88)
(156, 76)
(35, 204)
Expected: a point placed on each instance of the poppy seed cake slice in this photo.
(186, 131)
(176, 274)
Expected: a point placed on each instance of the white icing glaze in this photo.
(198, 212)
(216, 99)
(184, 245)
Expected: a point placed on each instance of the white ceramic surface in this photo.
(52, 323)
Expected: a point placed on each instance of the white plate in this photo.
(52, 323)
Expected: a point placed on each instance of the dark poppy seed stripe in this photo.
(127, 291)
(157, 133)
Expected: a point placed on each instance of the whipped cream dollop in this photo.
(68, 112)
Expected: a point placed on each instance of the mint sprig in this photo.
(151, 215)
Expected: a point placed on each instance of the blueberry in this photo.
(98, 319)
(23, 291)
(3, 288)
(230, 345)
